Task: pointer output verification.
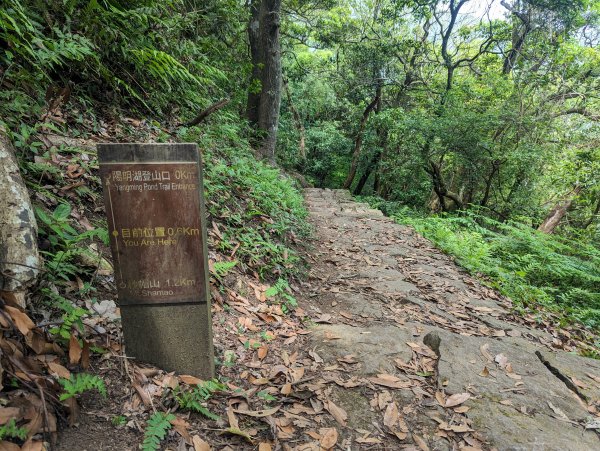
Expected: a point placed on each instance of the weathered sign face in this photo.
(155, 212)
(155, 221)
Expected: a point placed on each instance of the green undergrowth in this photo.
(532, 268)
(258, 212)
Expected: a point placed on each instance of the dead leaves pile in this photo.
(34, 363)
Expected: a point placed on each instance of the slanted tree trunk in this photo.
(19, 257)
(488, 183)
(521, 28)
(359, 138)
(558, 212)
(439, 186)
(263, 105)
(298, 123)
(368, 170)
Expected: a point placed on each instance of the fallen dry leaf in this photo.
(239, 432)
(484, 352)
(286, 389)
(458, 428)
(420, 442)
(330, 336)
(190, 380)
(6, 413)
(9, 446)
(593, 377)
(33, 445)
(441, 399)
(336, 412)
(316, 357)
(182, 426)
(457, 399)
(390, 418)
(199, 444)
(368, 440)
(387, 380)
(329, 437)
(579, 383)
(560, 414)
(74, 350)
(59, 370)
(21, 320)
(262, 352)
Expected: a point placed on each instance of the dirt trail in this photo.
(422, 356)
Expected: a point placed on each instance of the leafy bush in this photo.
(530, 267)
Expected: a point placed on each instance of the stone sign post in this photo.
(155, 209)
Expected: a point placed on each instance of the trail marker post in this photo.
(156, 221)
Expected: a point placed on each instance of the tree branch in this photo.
(207, 112)
(582, 111)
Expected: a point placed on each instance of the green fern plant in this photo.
(71, 316)
(156, 430)
(80, 383)
(11, 430)
(196, 398)
(281, 290)
(162, 66)
(221, 269)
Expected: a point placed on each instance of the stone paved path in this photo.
(399, 314)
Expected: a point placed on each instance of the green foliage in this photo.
(71, 315)
(62, 258)
(530, 267)
(11, 430)
(221, 269)
(281, 290)
(160, 56)
(80, 383)
(118, 420)
(262, 211)
(195, 399)
(156, 430)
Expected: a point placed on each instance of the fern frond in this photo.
(80, 383)
(156, 430)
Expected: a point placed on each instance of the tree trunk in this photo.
(297, 122)
(439, 186)
(488, 183)
(255, 58)
(270, 96)
(521, 28)
(359, 138)
(369, 169)
(264, 95)
(558, 212)
(19, 257)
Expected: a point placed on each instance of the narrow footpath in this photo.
(419, 355)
